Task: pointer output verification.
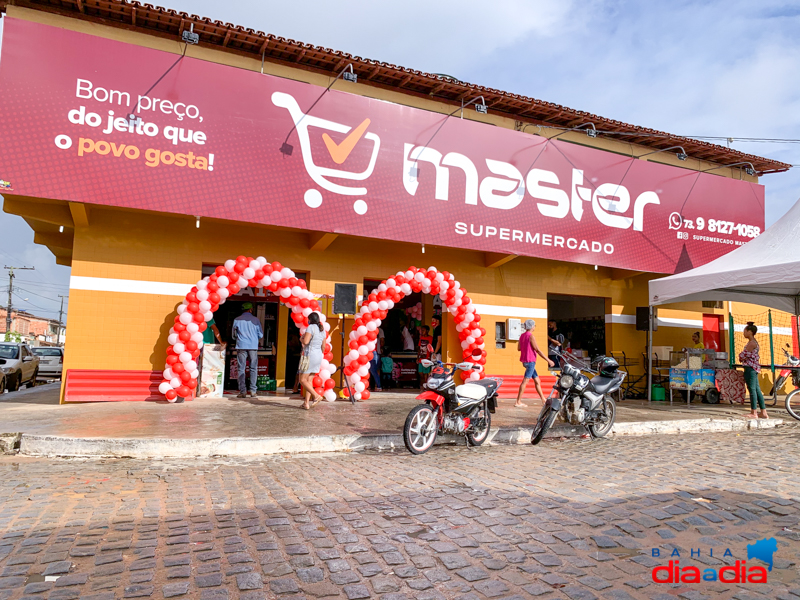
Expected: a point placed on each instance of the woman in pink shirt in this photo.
(528, 350)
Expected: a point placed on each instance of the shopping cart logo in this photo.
(339, 152)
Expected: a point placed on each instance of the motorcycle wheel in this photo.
(599, 430)
(712, 396)
(420, 429)
(477, 438)
(776, 389)
(793, 404)
(546, 419)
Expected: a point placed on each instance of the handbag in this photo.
(304, 360)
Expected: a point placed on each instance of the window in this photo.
(712, 304)
(500, 334)
(47, 351)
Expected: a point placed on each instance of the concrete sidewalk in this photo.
(275, 423)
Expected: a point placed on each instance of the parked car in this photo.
(19, 365)
(51, 360)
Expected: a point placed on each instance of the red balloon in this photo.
(373, 297)
(233, 289)
(184, 336)
(292, 281)
(353, 345)
(178, 327)
(381, 296)
(172, 359)
(220, 271)
(297, 317)
(259, 274)
(304, 302)
(329, 384)
(328, 356)
(267, 269)
(171, 351)
(372, 335)
(178, 368)
(193, 307)
(276, 266)
(362, 340)
(283, 282)
(214, 298)
(252, 283)
(477, 318)
(239, 268)
(242, 259)
(328, 348)
(191, 345)
(399, 279)
(171, 394)
(319, 390)
(273, 287)
(203, 326)
(302, 284)
(365, 395)
(293, 300)
(191, 297)
(177, 319)
(185, 376)
(358, 323)
(195, 353)
(192, 383)
(412, 268)
(184, 391)
(362, 359)
(314, 305)
(346, 393)
(317, 381)
(198, 317)
(212, 286)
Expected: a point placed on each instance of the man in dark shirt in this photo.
(555, 342)
(437, 339)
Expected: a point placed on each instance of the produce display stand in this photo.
(693, 370)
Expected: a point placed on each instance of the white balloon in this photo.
(355, 378)
(265, 281)
(408, 275)
(178, 348)
(464, 345)
(426, 282)
(176, 382)
(164, 387)
(242, 283)
(172, 339)
(286, 273)
(382, 287)
(419, 277)
(361, 330)
(357, 396)
(371, 345)
(181, 309)
(254, 264)
(261, 261)
(363, 351)
(202, 284)
(168, 374)
(223, 293)
(208, 316)
(195, 374)
(191, 366)
(229, 265)
(439, 277)
(205, 306)
(353, 354)
(202, 295)
(372, 326)
(192, 327)
(297, 291)
(186, 318)
(383, 305)
(327, 327)
(331, 369)
(322, 318)
(363, 370)
(275, 276)
(185, 357)
(373, 306)
(474, 376)
(330, 395)
(285, 292)
(249, 273)
(390, 283)
(405, 288)
(470, 339)
(223, 281)
(360, 387)
(324, 374)
(444, 286)
(197, 338)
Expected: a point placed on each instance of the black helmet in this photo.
(608, 367)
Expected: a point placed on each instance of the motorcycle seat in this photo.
(603, 384)
(489, 384)
(472, 391)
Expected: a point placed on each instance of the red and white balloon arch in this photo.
(377, 304)
(186, 335)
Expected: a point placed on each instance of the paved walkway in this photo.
(576, 520)
(36, 411)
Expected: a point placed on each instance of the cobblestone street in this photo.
(575, 519)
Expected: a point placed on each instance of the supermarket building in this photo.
(540, 211)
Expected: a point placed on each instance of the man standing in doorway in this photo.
(247, 331)
(555, 342)
(437, 339)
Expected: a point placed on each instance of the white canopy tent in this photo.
(764, 271)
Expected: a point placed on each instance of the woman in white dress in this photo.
(312, 341)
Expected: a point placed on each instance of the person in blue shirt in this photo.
(247, 331)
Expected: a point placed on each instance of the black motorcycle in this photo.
(464, 410)
(580, 400)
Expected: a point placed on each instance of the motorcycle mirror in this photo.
(426, 363)
(464, 366)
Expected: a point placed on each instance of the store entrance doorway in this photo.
(582, 322)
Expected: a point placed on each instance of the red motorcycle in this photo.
(464, 410)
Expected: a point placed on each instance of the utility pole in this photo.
(10, 291)
(60, 322)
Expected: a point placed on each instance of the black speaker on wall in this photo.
(642, 314)
(344, 298)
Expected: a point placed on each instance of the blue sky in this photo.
(712, 68)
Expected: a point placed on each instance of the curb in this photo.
(51, 446)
